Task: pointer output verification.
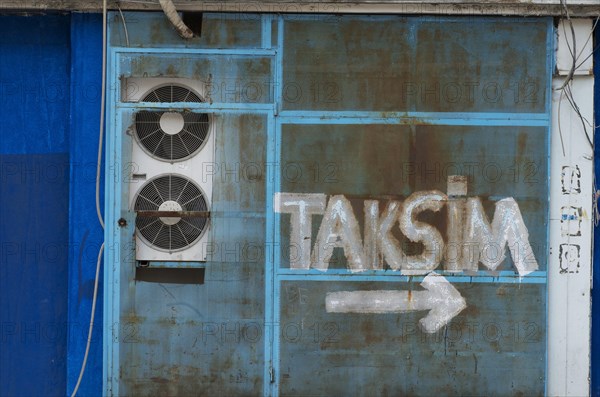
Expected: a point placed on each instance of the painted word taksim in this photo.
(471, 238)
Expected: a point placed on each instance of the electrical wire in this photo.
(124, 25)
(586, 42)
(98, 212)
(562, 141)
(566, 91)
(566, 86)
(102, 101)
(575, 107)
(573, 50)
(91, 327)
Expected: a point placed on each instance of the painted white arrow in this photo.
(442, 300)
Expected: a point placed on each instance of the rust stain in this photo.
(156, 32)
(172, 71)
(133, 318)
(230, 35)
(157, 379)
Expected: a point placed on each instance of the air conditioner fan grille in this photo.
(151, 134)
(171, 234)
(172, 93)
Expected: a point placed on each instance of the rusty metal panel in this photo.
(235, 78)
(414, 64)
(181, 334)
(381, 211)
(151, 30)
(404, 142)
(501, 334)
(490, 349)
(354, 160)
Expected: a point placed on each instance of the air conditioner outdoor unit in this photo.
(168, 189)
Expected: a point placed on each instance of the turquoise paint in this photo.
(141, 303)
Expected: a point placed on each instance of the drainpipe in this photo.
(171, 12)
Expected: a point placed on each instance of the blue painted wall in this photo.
(49, 106)
(34, 195)
(85, 232)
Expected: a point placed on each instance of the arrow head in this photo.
(443, 299)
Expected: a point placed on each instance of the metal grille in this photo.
(165, 146)
(176, 233)
(172, 93)
(171, 138)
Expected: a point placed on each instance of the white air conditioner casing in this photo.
(133, 89)
(147, 167)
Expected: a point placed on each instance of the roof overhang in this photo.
(578, 8)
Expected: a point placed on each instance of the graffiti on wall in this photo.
(471, 239)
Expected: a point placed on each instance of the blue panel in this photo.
(85, 231)
(33, 282)
(362, 64)
(596, 281)
(34, 202)
(217, 31)
(399, 63)
(34, 84)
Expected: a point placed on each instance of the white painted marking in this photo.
(471, 238)
(301, 207)
(339, 228)
(442, 300)
(489, 241)
(386, 246)
(416, 231)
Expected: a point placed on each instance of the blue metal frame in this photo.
(197, 51)
(110, 373)
(416, 118)
(275, 217)
(116, 197)
(548, 107)
(507, 277)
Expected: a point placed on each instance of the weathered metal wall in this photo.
(330, 131)
(205, 336)
(386, 116)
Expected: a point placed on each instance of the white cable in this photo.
(98, 212)
(91, 328)
(102, 100)
(124, 26)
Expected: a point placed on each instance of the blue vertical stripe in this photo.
(595, 370)
(85, 232)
